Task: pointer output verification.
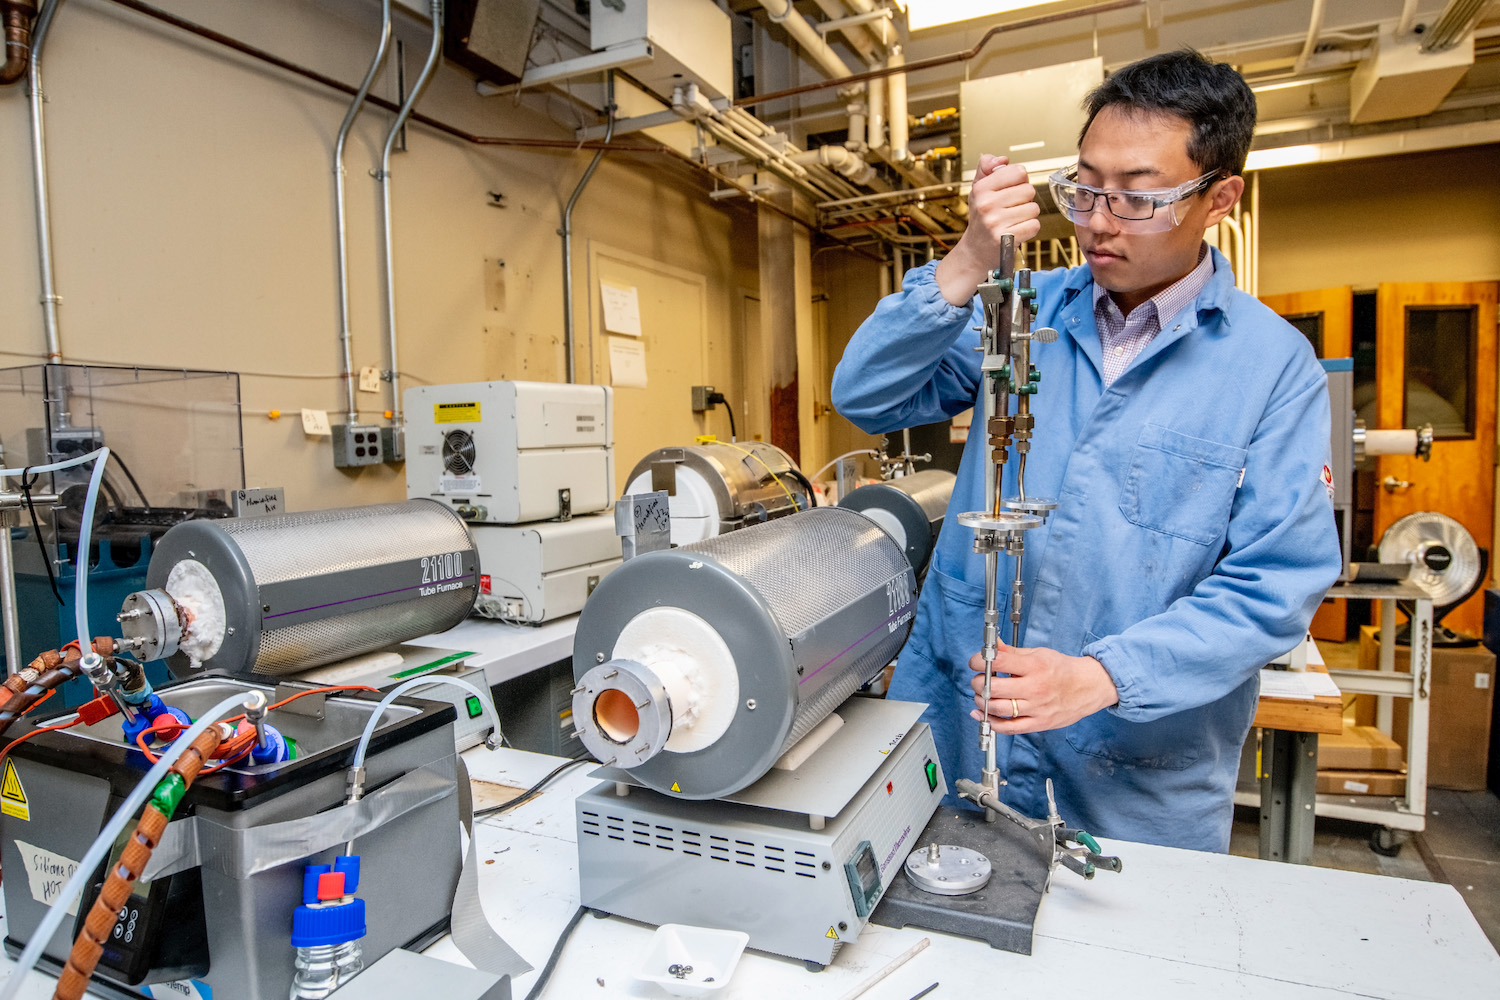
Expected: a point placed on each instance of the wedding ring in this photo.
(1015, 709)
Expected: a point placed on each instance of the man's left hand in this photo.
(1045, 689)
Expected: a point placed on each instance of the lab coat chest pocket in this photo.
(1181, 485)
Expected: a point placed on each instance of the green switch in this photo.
(932, 775)
(476, 709)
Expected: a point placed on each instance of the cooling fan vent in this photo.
(458, 453)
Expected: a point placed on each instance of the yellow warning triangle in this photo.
(832, 934)
(675, 787)
(10, 787)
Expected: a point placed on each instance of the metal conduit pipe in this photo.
(899, 125)
(806, 37)
(876, 123)
(39, 179)
(17, 16)
(566, 232)
(351, 413)
(1455, 21)
(434, 53)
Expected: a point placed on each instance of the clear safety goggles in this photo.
(1144, 211)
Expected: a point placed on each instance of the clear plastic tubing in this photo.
(80, 586)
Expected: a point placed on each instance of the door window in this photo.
(1440, 365)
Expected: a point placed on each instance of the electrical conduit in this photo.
(351, 413)
(566, 232)
(434, 53)
(39, 180)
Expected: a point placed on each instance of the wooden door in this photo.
(1326, 317)
(1435, 363)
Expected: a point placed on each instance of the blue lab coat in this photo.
(1193, 539)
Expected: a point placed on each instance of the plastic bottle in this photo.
(326, 929)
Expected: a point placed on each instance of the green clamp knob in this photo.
(1027, 293)
(1026, 390)
(1087, 840)
(1036, 307)
(1036, 376)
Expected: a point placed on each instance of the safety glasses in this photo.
(1144, 211)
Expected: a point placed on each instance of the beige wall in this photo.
(193, 227)
(1418, 217)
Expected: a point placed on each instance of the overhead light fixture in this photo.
(922, 14)
(1282, 156)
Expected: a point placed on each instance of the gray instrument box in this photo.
(512, 452)
(217, 900)
(537, 572)
(759, 861)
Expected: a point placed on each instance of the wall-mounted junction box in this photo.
(356, 444)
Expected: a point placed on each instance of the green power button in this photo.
(473, 705)
(932, 775)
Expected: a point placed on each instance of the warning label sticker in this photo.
(13, 795)
(455, 413)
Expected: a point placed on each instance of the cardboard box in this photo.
(1461, 698)
(1361, 783)
(1359, 748)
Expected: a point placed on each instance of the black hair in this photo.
(1212, 97)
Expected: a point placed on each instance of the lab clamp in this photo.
(1009, 303)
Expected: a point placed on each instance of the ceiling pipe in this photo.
(899, 122)
(36, 97)
(851, 166)
(351, 413)
(1449, 27)
(936, 61)
(806, 37)
(17, 16)
(566, 232)
(434, 53)
(1314, 29)
(1408, 17)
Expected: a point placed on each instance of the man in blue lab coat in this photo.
(1183, 429)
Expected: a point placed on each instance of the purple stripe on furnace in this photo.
(334, 604)
(856, 642)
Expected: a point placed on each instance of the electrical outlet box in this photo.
(356, 444)
(700, 398)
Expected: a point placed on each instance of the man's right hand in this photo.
(1001, 201)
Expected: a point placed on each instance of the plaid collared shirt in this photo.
(1123, 337)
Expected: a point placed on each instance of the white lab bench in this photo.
(1174, 923)
(506, 651)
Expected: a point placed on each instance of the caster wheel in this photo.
(813, 966)
(1387, 842)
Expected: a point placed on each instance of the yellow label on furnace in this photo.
(12, 795)
(675, 788)
(832, 934)
(455, 413)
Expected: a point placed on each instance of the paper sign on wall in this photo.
(627, 363)
(622, 309)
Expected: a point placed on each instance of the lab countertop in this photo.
(1174, 923)
(506, 651)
